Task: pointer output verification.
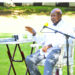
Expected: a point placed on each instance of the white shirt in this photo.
(56, 39)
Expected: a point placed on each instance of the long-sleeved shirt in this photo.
(56, 39)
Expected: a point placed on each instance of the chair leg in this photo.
(60, 71)
(57, 72)
(71, 69)
(54, 71)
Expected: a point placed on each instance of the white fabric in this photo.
(56, 39)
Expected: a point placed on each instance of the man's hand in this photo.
(31, 30)
(44, 49)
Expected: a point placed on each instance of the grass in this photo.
(20, 66)
(23, 10)
(4, 35)
(4, 60)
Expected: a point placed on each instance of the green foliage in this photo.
(35, 9)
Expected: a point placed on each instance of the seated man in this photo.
(51, 48)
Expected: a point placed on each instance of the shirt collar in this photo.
(56, 22)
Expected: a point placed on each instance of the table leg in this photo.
(19, 48)
(22, 54)
(12, 58)
(9, 54)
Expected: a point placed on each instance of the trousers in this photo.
(51, 59)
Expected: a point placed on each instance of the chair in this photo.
(63, 57)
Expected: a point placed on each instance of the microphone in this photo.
(45, 25)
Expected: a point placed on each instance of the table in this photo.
(17, 43)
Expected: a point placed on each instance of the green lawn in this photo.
(20, 66)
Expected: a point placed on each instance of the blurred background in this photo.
(16, 14)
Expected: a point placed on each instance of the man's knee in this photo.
(28, 59)
(50, 62)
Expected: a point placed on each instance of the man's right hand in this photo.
(31, 30)
(44, 49)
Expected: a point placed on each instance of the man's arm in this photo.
(31, 30)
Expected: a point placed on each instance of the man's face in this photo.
(55, 18)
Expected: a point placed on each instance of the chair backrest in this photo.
(70, 51)
(63, 55)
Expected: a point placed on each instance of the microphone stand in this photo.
(67, 44)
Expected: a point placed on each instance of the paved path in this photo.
(16, 25)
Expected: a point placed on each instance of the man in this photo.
(51, 46)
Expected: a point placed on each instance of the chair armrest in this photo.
(36, 46)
